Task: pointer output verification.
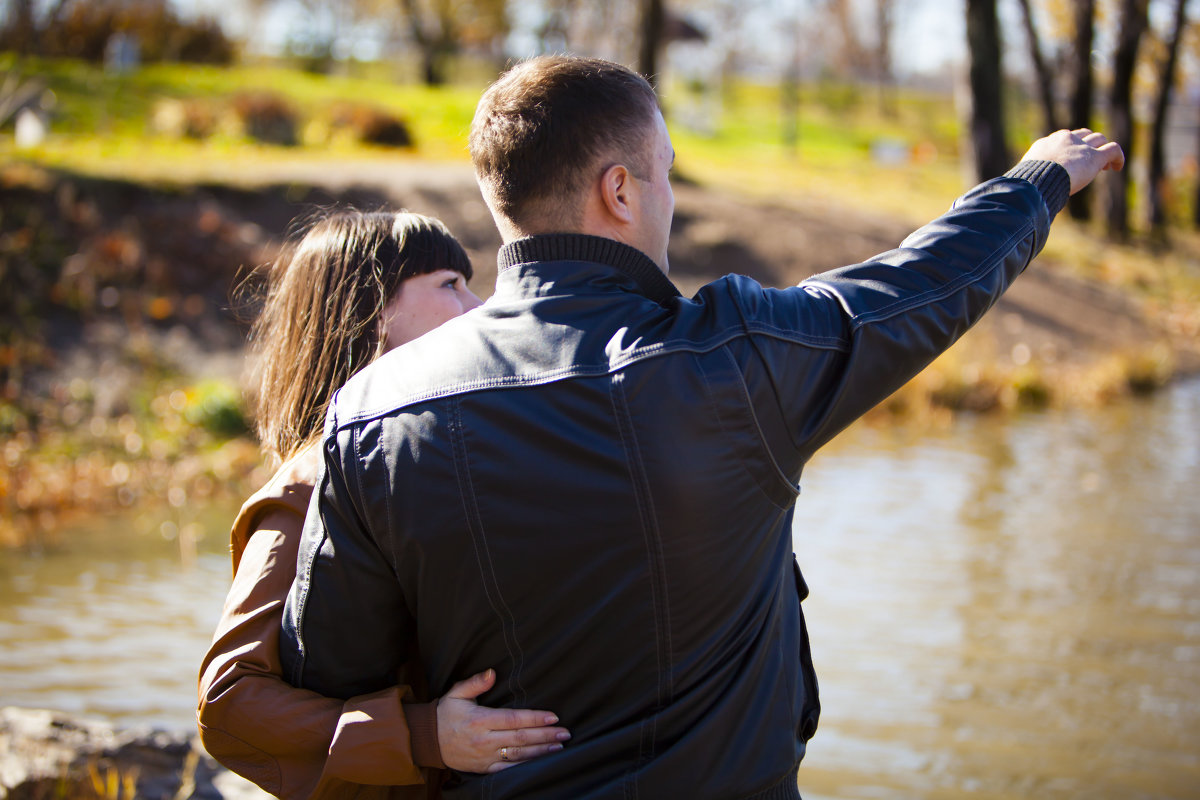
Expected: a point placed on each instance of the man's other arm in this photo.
(345, 622)
(872, 326)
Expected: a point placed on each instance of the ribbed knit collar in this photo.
(597, 249)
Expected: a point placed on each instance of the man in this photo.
(588, 482)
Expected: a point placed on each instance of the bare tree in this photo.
(789, 95)
(1196, 204)
(20, 29)
(1132, 24)
(986, 79)
(1166, 82)
(885, 24)
(1045, 80)
(1079, 110)
(440, 28)
(851, 57)
(435, 33)
(652, 27)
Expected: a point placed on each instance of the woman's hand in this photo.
(474, 738)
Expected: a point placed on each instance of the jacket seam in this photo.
(725, 430)
(791, 488)
(304, 580)
(658, 587)
(483, 556)
(552, 376)
(988, 265)
(387, 510)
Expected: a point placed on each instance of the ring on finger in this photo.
(504, 754)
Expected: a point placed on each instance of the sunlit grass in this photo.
(844, 150)
(102, 123)
(848, 152)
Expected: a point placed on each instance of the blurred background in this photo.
(1004, 557)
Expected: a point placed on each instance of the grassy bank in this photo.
(178, 121)
(179, 442)
(147, 260)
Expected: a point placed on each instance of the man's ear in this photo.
(617, 190)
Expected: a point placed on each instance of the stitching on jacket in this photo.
(387, 509)
(788, 422)
(615, 366)
(304, 577)
(786, 484)
(989, 264)
(654, 553)
(482, 555)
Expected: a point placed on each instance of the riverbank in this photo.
(53, 754)
(1028, 583)
(122, 355)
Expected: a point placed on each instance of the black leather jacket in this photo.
(588, 482)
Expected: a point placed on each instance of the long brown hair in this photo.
(320, 320)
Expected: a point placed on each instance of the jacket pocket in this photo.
(810, 711)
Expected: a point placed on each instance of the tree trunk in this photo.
(1045, 81)
(21, 33)
(987, 107)
(884, 25)
(1079, 113)
(1166, 82)
(789, 95)
(1132, 25)
(1196, 205)
(432, 45)
(652, 17)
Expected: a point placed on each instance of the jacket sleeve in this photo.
(823, 353)
(346, 627)
(292, 742)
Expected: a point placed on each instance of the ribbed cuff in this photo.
(1051, 179)
(423, 730)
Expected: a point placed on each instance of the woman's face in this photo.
(423, 302)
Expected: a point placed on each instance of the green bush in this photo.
(371, 125)
(267, 117)
(216, 406)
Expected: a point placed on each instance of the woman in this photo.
(356, 285)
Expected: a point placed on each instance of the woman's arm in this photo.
(291, 741)
(286, 739)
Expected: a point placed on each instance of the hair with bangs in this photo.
(321, 318)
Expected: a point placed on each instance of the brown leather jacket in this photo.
(289, 741)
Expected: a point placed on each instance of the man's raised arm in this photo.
(885, 319)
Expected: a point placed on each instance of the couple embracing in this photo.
(577, 496)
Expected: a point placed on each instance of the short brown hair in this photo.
(540, 130)
(320, 319)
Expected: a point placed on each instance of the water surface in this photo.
(1004, 609)
(1008, 609)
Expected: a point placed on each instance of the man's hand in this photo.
(1083, 153)
(474, 738)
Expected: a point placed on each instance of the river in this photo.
(1002, 609)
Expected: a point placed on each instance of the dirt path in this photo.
(199, 238)
(1047, 315)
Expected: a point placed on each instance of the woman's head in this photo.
(355, 285)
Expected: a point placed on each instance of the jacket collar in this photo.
(597, 249)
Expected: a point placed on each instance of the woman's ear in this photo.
(617, 191)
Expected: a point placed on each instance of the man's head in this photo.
(567, 144)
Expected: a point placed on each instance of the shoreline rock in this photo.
(51, 754)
